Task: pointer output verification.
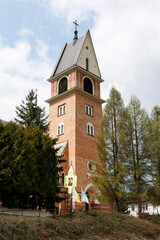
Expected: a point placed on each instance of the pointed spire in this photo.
(75, 32)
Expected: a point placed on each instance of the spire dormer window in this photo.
(87, 64)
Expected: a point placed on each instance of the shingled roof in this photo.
(69, 55)
(61, 147)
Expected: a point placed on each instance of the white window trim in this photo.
(60, 129)
(90, 129)
(62, 110)
(90, 109)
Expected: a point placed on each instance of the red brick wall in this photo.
(81, 146)
(86, 148)
(69, 123)
(75, 78)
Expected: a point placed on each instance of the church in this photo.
(75, 108)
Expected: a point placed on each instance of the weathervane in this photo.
(75, 32)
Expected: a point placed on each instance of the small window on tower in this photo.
(87, 64)
(89, 110)
(61, 110)
(60, 129)
(90, 129)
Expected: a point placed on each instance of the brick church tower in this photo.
(75, 107)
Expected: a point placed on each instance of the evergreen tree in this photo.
(139, 159)
(10, 161)
(110, 173)
(155, 154)
(30, 113)
(28, 167)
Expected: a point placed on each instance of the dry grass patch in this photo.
(111, 226)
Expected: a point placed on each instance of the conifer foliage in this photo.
(30, 113)
(112, 151)
(28, 167)
(155, 154)
(139, 154)
(127, 144)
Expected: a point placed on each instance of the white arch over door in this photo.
(88, 186)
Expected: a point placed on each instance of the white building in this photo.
(146, 208)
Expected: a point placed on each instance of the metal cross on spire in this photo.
(75, 32)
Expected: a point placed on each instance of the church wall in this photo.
(54, 88)
(81, 147)
(75, 78)
(79, 82)
(69, 123)
(71, 80)
(88, 52)
(86, 148)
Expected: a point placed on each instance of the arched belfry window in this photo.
(63, 85)
(87, 85)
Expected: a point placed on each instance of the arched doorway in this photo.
(91, 192)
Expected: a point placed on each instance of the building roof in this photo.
(61, 147)
(70, 55)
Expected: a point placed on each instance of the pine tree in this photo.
(30, 113)
(110, 173)
(11, 141)
(139, 159)
(28, 166)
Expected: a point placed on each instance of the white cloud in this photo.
(42, 49)
(25, 32)
(20, 73)
(126, 36)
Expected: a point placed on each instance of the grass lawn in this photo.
(111, 226)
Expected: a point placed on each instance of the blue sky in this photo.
(19, 15)
(125, 34)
